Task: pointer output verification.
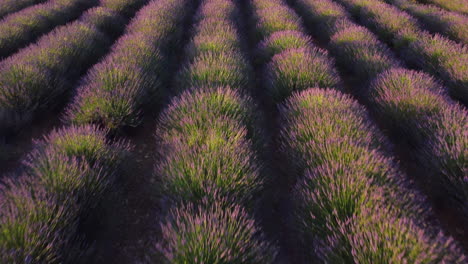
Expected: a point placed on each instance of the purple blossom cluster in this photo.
(350, 198)
(63, 178)
(208, 161)
(8, 7)
(415, 106)
(33, 79)
(114, 91)
(434, 54)
(436, 20)
(22, 28)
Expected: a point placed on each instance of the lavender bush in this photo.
(355, 45)
(204, 147)
(299, 69)
(281, 41)
(215, 233)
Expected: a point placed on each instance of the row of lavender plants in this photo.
(437, 20)
(209, 169)
(24, 27)
(352, 204)
(413, 105)
(68, 174)
(134, 73)
(10, 6)
(451, 5)
(434, 54)
(35, 78)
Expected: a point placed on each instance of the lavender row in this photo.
(451, 5)
(436, 20)
(24, 27)
(350, 197)
(33, 79)
(63, 180)
(352, 204)
(10, 6)
(134, 73)
(209, 166)
(434, 54)
(414, 105)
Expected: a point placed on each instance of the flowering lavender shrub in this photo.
(211, 69)
(202, 103)
(217, 10)
(205, 147)
(213, 35)
(347, 179)
(35, 228)
(322, 16)
(24, 27)
(416, 107)
(115, 90)
(299, 69)
(78, 161)
(360, 52)
(273, 17)
(443, 58)
(281, 41)
(8, 7)
(451, 24)
(400, 240)
(105, 20)
(215, 233)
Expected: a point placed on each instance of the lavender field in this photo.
(233, 131)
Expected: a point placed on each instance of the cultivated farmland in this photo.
(233, 131)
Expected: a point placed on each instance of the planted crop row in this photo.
(45, 211)
(64, 178)
(33, 79)
(209, 166)
(451, 24)
(10, 6)
(434, 54)
(352, 204)
(134, 73)
(452, 5)
(415, 107)
(24, 27)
